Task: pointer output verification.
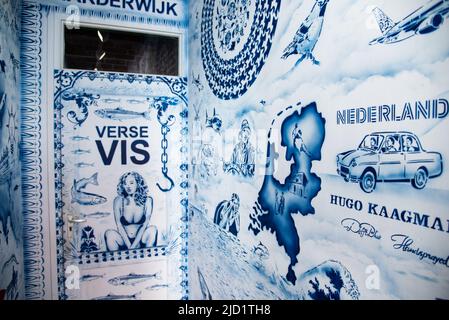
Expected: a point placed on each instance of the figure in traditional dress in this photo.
(242, 160)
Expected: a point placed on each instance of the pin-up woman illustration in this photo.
(132, 212)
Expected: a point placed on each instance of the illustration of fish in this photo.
(111, 296)
(91, 277)
(133, 101)
(85, 198)
(132, 279)
(80, 151)
(121, 114)
(109, 100)
(83, 165)
(156, 287)
(80, 138)
(97, 215)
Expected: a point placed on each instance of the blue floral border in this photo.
(31, 84)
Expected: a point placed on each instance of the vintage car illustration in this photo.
(389, 157)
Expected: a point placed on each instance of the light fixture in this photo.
(102, 56)
(100, 35)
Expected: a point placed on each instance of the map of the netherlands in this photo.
(302, 134)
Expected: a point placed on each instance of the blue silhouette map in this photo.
(302, 136)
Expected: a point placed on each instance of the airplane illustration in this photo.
(424, 20)
(308, 34)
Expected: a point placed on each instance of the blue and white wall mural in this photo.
(110, 223)
(311, 151)
(119, 171)
(11, 221)
(318, 156)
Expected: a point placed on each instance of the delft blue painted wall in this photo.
(62, 110)
(318, 149)
(287, 195)
(11, 221)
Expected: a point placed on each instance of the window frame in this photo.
(123, 28)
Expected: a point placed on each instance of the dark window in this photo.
(90, 48)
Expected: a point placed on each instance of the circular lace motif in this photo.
(236, 38)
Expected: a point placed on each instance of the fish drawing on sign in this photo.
(120, 114)
(155, 287)
(203, 286)
(97, 215)
(84, 165)
(307, 35)
(80, 138)
(111, 296)
(91, 277)
(132, 279)
(84, 198)
(426, 19)
(110, 100)
(83, 100)
(79, 152)
(134, 101)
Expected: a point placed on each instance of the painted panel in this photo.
(304, 184)
(44, 247)
(120, 184)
